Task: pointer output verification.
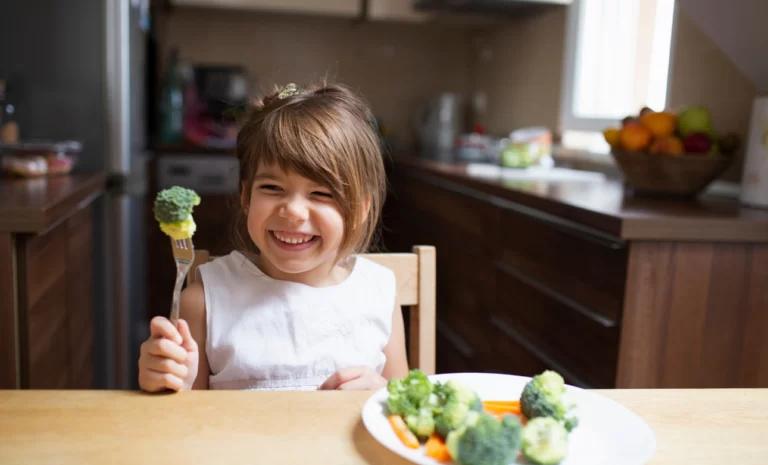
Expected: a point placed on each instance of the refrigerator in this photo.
(127, 116)
(78, 70)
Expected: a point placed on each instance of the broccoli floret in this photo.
(456, 402)
(544, 441)
(452, 416)
(175, 205)
(422, 424)
(485, 440)
(409, 394)
(543, 396)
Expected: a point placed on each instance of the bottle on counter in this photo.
(172, 103)
(9, 128)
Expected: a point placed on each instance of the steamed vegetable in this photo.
(173, 210)
(485, 440)
(456, 403)
(545, 441)
(454, 424)
(403, 433)
(436, 448)
(543, 396)
(409, 394)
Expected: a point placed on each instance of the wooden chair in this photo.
(415, 274)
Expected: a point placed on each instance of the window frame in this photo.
(568, 120)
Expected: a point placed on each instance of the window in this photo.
(617, 61)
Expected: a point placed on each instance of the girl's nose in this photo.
(295, 210)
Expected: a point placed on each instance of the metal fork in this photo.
(184, 255)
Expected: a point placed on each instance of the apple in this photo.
(694, 119)
(697, 142)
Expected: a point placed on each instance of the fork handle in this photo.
(180, 276)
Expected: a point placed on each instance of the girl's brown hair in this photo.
(325, 133)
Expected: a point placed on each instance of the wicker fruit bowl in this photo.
(683, 175)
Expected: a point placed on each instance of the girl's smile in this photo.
(294, 241)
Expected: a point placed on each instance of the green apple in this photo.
(694, 119)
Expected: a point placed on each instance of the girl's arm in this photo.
(397, 359)
(192, 309)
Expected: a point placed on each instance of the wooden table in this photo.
(698, 427)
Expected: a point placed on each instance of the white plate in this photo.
(608, 432)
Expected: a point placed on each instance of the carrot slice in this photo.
(499, 406)
(437, 449)
(403, 433)
(502, 403)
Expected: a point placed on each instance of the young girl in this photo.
(293, 307)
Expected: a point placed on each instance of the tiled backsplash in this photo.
(397, 67)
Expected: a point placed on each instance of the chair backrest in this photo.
(415, 274)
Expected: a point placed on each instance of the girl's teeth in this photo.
(293, 240)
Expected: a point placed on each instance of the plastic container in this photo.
(39, 158)
(526, 147)
(27, 166)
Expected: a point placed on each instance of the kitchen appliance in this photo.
(754, 184)
(486, 7)
(127, 81)
(216, 103)
(438, 123)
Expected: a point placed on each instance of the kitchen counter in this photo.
(655, 293)
(46, 287)
(702, 427)
(603, 208)
(34, 205)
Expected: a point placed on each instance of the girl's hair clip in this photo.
(289, 91)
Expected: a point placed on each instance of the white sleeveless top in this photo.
(265, 333)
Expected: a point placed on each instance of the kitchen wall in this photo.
(519, 66)
(738, 28)
(411, 62)
(52, 53)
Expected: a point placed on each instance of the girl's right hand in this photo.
(169, 358)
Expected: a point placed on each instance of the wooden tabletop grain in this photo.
(34, 205)
(701, 427)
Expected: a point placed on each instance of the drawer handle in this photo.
(567, 301)
(537, 352)
(569, 227)
(456, 341)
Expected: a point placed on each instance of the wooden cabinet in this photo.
(46, 283)
(395, 10)
(525, 284)
(342, 8)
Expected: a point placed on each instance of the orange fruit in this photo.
(635, 137)
(612, 137)
(660, 124)
(668, 145)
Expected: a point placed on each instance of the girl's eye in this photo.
(327, 195)
(269, 187)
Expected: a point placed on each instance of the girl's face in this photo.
(296, 224)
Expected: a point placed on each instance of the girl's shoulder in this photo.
(375, 274)
(230, 268)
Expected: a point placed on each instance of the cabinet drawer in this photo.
(586, 273)
(477, 218)
(454, 354)
(48, 339)
(581, 349)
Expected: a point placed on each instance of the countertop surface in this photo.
(602, 206)
(702, 427)
(34, 205)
